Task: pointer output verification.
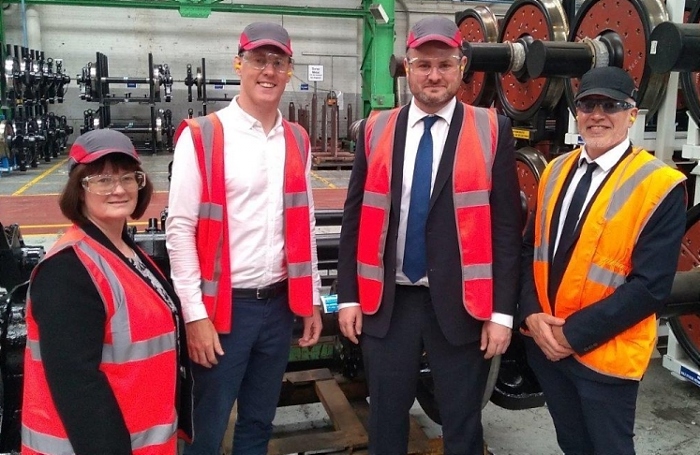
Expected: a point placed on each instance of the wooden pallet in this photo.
(348, 434)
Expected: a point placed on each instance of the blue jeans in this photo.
(251, 370)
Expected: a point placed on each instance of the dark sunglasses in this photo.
(608, 106)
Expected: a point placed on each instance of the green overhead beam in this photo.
(378, 47)
(204, 6)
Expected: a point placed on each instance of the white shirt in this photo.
(414, 132)
(254, 177)
(605, 163)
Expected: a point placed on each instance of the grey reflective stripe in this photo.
(372, 199)
(209, 288)
(541, 252)
(299, 269)
(156, 435)
(211, 211)
(123, 349)
(481, 118)
(471, 199)
(379, 127)
(477, 272)
(44, 443)
(371, 272)
(206, 126)
(206, 129)
(34, 350)
(301, 144)
(119, 323)
(299, 199)
(622, 194)
(662, 197)
(138, 350)
(605, 277)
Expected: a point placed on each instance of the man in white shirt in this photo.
(240, 235)
(430, 247)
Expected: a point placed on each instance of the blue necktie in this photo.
(414, 257)
(572, 215)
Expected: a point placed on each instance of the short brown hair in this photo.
(71, 200)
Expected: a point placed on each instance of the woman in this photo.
(106, 370)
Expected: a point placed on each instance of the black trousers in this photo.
(392, 365)
(590, 417)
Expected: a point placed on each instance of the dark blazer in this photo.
(70, 312)
(444, 268)
(654, 261)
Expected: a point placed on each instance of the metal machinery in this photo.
(529, 69)
(16, 263)
(200, 81)
(95, 83)
(29, 133)
(675, 46)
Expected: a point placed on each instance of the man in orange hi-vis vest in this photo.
(430, 247)
(599, 258)
(240, 235)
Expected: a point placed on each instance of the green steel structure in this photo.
(378, 38)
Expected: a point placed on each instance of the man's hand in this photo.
(312, 328)
(558, 332)
(350, 322)
(495, 339)
(541, 326)
(203, 342)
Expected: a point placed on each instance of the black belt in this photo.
(263, 293)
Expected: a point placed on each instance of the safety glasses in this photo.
(105, 184)
(608, 106)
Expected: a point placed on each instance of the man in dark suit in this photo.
(429, 247)
(598, 260)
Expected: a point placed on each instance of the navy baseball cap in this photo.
(609, 81)
(95, 144)
(265, 34)
(434, 28)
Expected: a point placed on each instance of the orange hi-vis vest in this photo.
(601, 260)
(140, 350)
(212, 228)
(471, 180)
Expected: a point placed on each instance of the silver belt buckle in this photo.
(258, 294)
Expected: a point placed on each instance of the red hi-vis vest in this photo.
(212, 228)
(140, 350)
(471, 183)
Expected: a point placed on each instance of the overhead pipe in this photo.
(352, 13)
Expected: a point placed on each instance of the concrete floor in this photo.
(668, 421)
(668, 415)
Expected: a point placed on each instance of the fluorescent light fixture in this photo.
(378, 13)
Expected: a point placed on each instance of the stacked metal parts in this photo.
(96, 85)
(29, 133)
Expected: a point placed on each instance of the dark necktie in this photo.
(575, 208)
(414, 258)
